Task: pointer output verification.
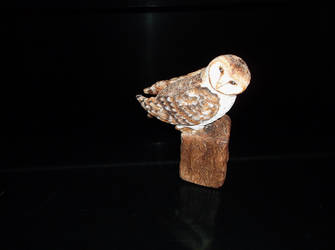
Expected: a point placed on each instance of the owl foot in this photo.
(186, 130)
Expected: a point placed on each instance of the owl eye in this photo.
(232, 83)
(221, 70)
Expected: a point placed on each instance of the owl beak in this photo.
(220, 84)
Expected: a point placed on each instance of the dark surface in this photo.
(71, 75)
(264, 204)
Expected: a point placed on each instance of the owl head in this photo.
(228, 74)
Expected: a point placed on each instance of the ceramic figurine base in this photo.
(204, 154)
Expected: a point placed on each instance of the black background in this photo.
(72, 70)
(82, 167)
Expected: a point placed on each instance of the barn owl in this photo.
(199, 98)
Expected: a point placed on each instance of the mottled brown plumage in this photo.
(182, 102)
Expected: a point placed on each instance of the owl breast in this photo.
(226, 102)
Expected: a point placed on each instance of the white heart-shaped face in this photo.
(216, 70)
(228, 75)
(221, 81)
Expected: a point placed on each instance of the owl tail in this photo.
(140, 98)
(143, 101)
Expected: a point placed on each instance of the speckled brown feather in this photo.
(182, 102)
(160, 85)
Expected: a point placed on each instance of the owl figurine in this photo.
(199, 98)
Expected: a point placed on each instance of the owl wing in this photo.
(160, 85)
(180, 105)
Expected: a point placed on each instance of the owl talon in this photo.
(185, 130)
